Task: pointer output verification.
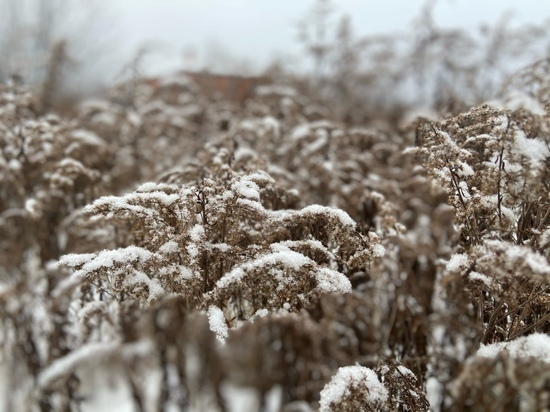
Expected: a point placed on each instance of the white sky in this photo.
(228, 32)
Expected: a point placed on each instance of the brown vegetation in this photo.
(186, 249)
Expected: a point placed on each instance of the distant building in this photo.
(231, 87)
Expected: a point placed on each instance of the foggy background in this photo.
(81, 46)
(249, 34)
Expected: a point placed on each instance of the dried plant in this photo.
(190, 252)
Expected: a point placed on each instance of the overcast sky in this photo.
(253, 32)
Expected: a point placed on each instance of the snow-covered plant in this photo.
(405, 393)
(493, 164)
(270, 248)
(506, 376)
(48, 168)
(219, 238)
(354, 388)
(152, 130)
(391, 387)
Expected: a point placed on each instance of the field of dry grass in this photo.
(168, 249)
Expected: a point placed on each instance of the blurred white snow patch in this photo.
(535, 345)
(516, 100)
(378, 250)
(218, 325)
(300, 131)
(147, 187)
(415, 113)
(67, 364)
(348, 378)
(277, 90)
(434, 393)
(297, 406)
(239, 398)
(88, 137)
(106, 393)
(33, 207)
(534, 149)
(3, 385)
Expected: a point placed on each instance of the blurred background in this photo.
(399, 53)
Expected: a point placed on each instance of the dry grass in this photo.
(141, 232)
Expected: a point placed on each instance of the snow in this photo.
(105, 259)
(192, 250)
(185, 273)
(252, 205)
(272, 124)
(33, 207)
(88, 137)
(115, 202)
(457, 262)
(534, 149)
(244, 153)
(289, 259)
(161, 197)
(147, 187)
(378, 250)
(15, 165)
(299, 132)
(518, 99)
(153, 285)
(246, 188)
(222, 247)
(196, 233)
(491, 202)
(169, 247)
(434, 393)
(218, 325)
(514, 253)
(348, 379)
(329, 280)
(276, 90)
(339, 214)
(65, 286)
(72, 163)
(536, 345)
(76, 259)
(315, 146)
(259, 177)
(260, 313)
(465, 170)
(64, 366)
(482, 278)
